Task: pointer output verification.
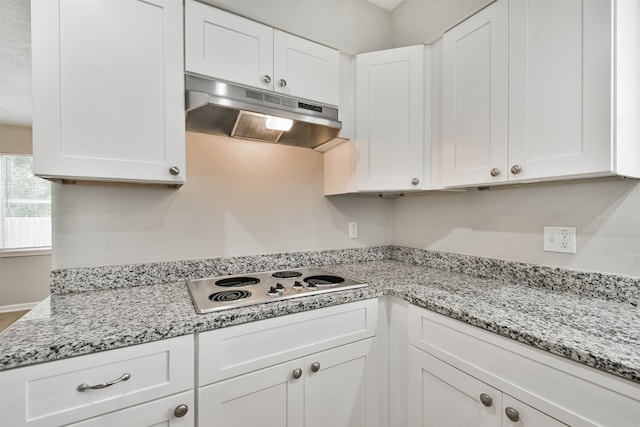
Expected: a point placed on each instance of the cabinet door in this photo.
(162, 412)
(390, 119)
(306, 69)
(228, 47)
(341, 386)
(108, 90)
(560, 87)
(518, 414)
(475, 99)
(270, 397)
(443, 396)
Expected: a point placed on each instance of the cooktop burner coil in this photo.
(323, 280)
(286, 274)
(238, 281)
(229, 296)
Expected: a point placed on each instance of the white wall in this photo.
(418, 21)
(23, 280)
(241, 198)
(506, 223)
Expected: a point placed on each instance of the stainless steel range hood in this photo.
(221, 108)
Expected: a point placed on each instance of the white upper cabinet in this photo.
(475, 98)
(390, 118)
(559, 88)
(108, 90)
(226, 46)
(306, 69)
(541, 90)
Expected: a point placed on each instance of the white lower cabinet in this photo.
(152, 380)
(316, 368)
(172, 411)
(460, 375)
(441, 395)
(330, 388)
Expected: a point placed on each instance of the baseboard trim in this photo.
(18, 307)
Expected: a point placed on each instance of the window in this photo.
(25, 204)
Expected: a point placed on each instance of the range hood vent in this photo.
(220, 108)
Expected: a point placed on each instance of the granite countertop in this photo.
(599, 332)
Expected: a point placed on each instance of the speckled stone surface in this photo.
(85, 279)
(599, 285)
(595, 328)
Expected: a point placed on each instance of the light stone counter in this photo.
(586, 317)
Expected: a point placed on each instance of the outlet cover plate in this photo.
(560, 239)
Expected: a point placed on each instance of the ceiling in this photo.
(386, 4)
(15, 59)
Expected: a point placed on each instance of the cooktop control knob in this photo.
(311, 285)
(273, 292)
(297, 285)
(279, 287)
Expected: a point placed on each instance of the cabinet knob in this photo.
(516, 169)
(283, 82)
(174, 170)
(415, 181)
(297, 373)
(486, 400)
(315, 367)
(495, 172)
(266, 78)
(181, 411)
(512, 414)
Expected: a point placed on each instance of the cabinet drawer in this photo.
(47, 394)
(239, 349)
(157, 413)
(568, 391)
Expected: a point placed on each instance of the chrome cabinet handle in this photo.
(297, 373)
(516, 169)
(415, 181)
(283, 82)
(180, 411)
(512, 414)
(83, 386)
(315, 367)
(174, 170)
(486, 400)
(495, 172)
(266, 78)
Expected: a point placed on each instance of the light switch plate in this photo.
(353, 230)
(560, 239)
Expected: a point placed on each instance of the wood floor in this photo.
(7, 319)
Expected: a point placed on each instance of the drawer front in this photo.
(239, 349)
(571, 392)
(157, 413)
(48, 394)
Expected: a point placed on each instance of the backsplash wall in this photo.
(507, 223)
(241, 198)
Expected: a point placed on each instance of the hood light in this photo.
(278, 123)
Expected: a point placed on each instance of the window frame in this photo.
(11, 252)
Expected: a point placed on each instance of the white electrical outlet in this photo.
(560, 239)
(353, 230)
